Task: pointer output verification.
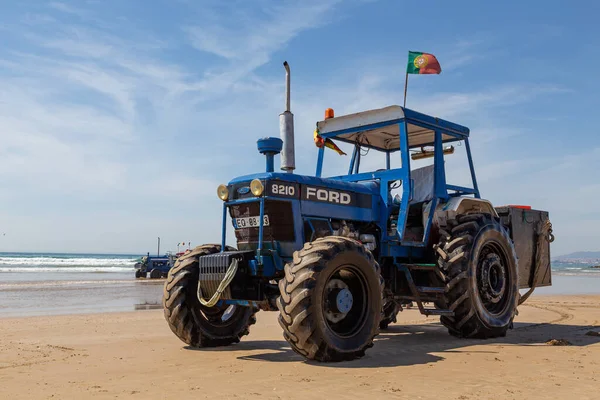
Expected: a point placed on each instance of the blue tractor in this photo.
(157, 266)
(339, 257)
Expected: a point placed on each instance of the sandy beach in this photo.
(135, 355)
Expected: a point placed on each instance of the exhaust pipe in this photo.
(286, 128)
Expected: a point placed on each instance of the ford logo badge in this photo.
(244, 190)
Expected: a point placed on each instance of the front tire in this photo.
(479, 260)
(390, 312)
(155, 274)
(193, 323)
(331, 299)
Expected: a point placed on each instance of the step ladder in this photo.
(424, 293)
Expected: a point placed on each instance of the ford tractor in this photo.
(338, 257)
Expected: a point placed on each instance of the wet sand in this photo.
(90, 293)
(135, 355)
(54, 294)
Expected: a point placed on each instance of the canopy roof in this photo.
(379, 128)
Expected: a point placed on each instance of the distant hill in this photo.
(580, 255)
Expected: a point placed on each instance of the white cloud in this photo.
(66, 8)
(247, 36)
(252, 34)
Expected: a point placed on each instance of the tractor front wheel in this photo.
(155, 274)
(193, 323)
(330, 300)
(390, 311)
(479, 260)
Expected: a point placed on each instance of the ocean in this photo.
(59, 283)
(65, 262)
(62, 283)
(50, 266)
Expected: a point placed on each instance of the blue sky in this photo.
(119, 119)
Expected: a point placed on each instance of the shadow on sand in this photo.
(414, 344)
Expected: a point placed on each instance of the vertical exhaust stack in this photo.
(286, 128)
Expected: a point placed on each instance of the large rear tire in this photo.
(479, 260)
(193, 323)
(330, 300)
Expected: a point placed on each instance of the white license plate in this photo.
(250, 222)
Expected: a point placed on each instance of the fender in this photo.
(456, 206)
(463, 205)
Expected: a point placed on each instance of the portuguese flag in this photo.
(422, 63)
(320, 142)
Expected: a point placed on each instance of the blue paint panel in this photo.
(315, 209)
(244, 303)
(417, 118)
(267, 265)
(333, 183)
(407, 182)
(261, 227)
(461, 189)
(224, 228)
(392, 174)
(472, 168)
(440, 173)
(320, 162)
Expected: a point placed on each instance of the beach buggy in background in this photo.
(338, 257)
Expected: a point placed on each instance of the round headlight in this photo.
(256, 187)
(223, 192)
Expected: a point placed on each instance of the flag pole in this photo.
(405, 86)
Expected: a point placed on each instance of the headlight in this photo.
(256, 187)
(223, 192)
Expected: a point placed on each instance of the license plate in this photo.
(250, 222)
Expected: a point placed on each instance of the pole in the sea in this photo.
(158, 251)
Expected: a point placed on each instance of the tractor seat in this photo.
(423, 181)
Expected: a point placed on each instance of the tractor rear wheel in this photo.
(193, 323)
(480, 263)
(330, 300)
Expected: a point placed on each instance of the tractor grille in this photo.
(212, 271)
(281, 221)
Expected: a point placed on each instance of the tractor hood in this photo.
(329, 198)
(307, 188)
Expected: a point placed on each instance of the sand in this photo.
(135, 355)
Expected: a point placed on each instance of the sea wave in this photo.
(67, 269)
(55, 263)
(42, 284)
